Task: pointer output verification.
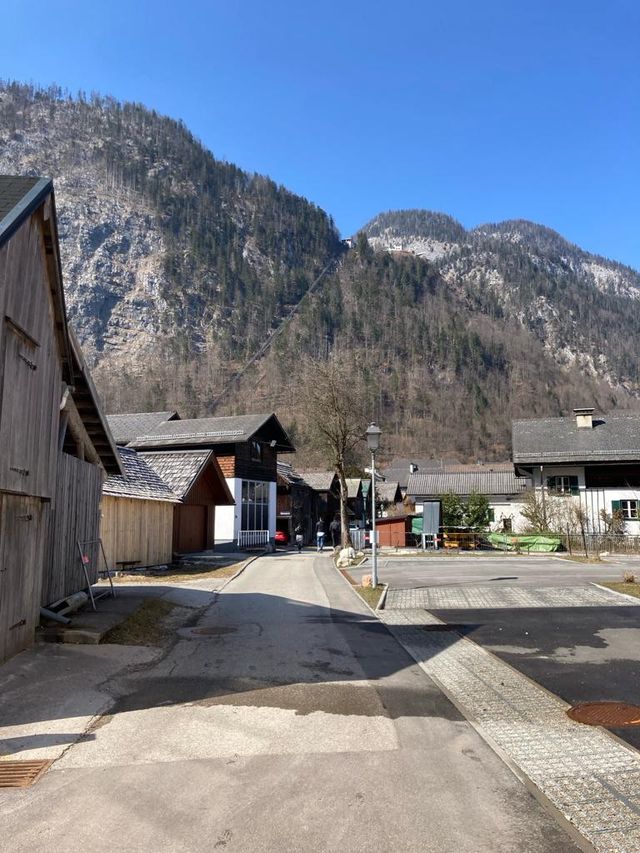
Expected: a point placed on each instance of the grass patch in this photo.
(145, 627)
(622, 586)
(182, 572)
(370, 595)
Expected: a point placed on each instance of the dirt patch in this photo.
(183, 572)
(146, 626)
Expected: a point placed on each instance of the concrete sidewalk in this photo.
(591, 777)
(288, 718)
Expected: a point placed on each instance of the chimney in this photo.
(584, 417)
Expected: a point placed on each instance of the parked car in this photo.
(281, 537)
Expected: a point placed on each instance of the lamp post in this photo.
(373, 441)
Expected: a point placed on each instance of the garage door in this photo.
(192, 528)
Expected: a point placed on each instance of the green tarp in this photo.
(531, 542)
(416, 524)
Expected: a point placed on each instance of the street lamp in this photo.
(373, 441)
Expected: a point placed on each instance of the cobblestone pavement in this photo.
(491, 597)
(593, 779)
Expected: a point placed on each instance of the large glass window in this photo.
(255, 505)
(563, 485)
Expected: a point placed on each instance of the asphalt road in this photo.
(411, 572)
(289, 719)
(582, 654)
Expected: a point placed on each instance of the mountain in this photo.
(179, 268)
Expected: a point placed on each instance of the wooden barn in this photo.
(137, 515)
(194, 476)
(55, 442)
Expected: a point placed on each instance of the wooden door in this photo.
(191, 528)
(22, 528)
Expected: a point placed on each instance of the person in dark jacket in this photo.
(299, 531)
(320, 535)
(334, 530)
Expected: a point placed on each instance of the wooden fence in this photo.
(75, 515)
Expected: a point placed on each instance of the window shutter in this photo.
(573, 485)
(551, 483)
(615, 506)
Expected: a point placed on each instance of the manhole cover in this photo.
(21, 774)
(212, 632)
(609, 714)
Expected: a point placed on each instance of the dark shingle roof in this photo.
(484, 482)
(19, 197)
(211, 431)
(139, 481)
(614, 437)
(127, 427)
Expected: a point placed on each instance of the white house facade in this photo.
(591, 460)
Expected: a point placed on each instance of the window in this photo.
(563, 485)
(491, 515)
(628, 508)
(255, 505)
(255, 449)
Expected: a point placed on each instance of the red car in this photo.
(281, 537)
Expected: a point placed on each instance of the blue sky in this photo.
(484, 110)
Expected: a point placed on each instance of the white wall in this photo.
(507, 509)
(228, 517)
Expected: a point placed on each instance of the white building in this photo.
(592, 460)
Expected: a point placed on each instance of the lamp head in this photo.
(373, 434)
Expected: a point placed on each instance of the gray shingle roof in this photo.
(484, 482)
(289, 474)
(388, 492)
(139, 481)
(211, 431)
(127, 427)
(614, 437)
(319, 481)
(179, 469)
(19, 197)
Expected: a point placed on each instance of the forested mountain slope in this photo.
(178, 267)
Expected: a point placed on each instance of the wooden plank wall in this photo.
(30, 366)
(134, 529)
(75, 515)
(22, 527)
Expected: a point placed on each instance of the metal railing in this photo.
(252, 538)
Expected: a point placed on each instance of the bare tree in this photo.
(336, 419)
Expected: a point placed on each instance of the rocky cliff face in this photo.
(178, 267)
(584, 308)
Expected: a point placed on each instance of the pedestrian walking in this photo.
(320, 535)
(299, 531)
(334, 530)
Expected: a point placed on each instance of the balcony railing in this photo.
(253, 538)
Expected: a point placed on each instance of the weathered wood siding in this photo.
(75, 515)
(134, 529)
(22, 528)
(30, 367)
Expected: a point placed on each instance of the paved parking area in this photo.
(494, 597)
(514, 642)
(590, 777)
(498, 570)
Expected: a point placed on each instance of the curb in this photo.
(239, 572)
(624, 595)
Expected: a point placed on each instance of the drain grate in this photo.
(610, 714)
(21, 774)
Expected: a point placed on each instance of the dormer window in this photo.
(255, 449)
